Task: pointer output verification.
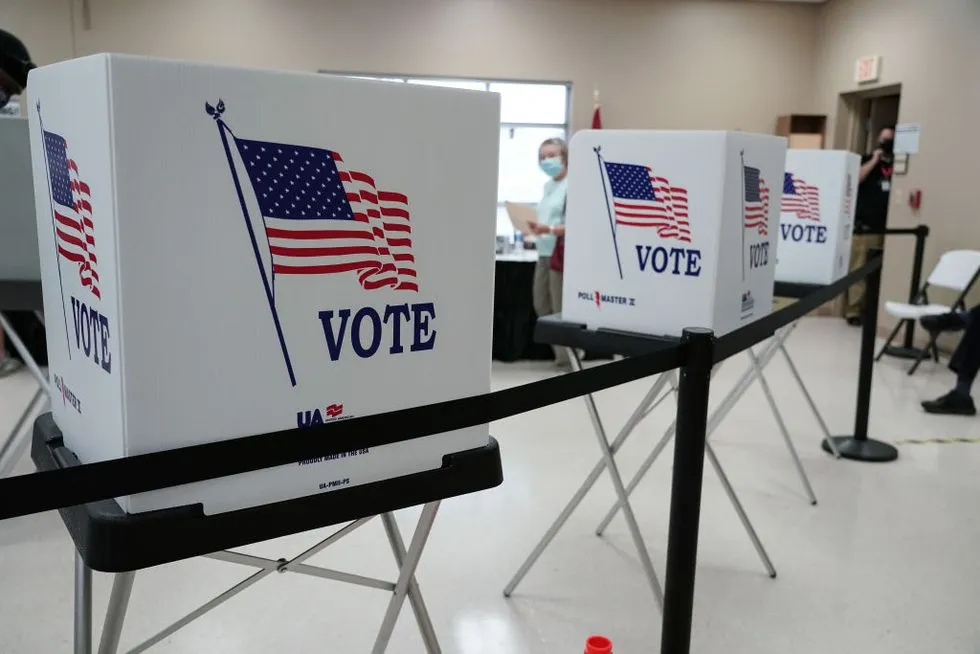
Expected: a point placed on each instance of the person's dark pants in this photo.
(966, 358)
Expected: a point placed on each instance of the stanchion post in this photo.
(685, 492)
(908, 350)
(858, 446)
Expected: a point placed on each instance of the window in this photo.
(530, 112)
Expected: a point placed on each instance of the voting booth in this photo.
(228, 252)
(817, 216)
(668, 230)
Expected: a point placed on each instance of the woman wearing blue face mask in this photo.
(553, 159)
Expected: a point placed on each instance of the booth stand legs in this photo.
(14, 445)
(758, 363)
(404, 587)
(608, 461)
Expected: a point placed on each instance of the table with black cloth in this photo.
(513, 310)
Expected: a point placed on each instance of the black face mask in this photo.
(887, 146)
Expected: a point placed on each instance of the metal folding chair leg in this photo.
(764, 384)
(635, 418)
(891, 337)
(924, 352)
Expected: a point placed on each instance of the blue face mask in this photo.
(551, 166)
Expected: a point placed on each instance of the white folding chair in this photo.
(957, 270)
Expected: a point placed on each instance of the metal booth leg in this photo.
(83, 606)
(267, 567)
(414, 593)
(742, 385)
(25, 354)
(782, 426)
(620, 488)
(406, 576)
(644, 468)
(809, 399)
(115, 615)
(638, 413)
(742, 515)
(12, 449)
(713, 421)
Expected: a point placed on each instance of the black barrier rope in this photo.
(44, 491)
(761, 329)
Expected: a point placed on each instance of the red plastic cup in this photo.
(598, 645)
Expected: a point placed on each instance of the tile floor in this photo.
(886, 563)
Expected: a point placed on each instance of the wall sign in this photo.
(866, 69)
(907, 138)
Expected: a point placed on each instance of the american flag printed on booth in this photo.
(756, 209)
(643, 199)
(71, 204)
(801, 198)
(321, 218)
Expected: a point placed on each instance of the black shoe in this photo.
(951, 404)
(854, 321)
(944, 322)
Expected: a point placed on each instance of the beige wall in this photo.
(44, 25)
(658, 63)
(932, 48)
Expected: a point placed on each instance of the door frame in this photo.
(848, 128)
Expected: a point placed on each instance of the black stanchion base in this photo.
(862, 449)
(902, 352)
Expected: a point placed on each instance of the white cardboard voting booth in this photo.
(817, 216)
(229, 252)
(667, 230)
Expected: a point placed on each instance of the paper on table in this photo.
(521, 215)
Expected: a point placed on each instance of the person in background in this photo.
(871, 213)
(15, 63)
(550, 225)
(965, 362)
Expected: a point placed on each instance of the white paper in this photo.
(907, 138)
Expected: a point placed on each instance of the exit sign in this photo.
(866, 69)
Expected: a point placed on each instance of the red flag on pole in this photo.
(596, 112)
